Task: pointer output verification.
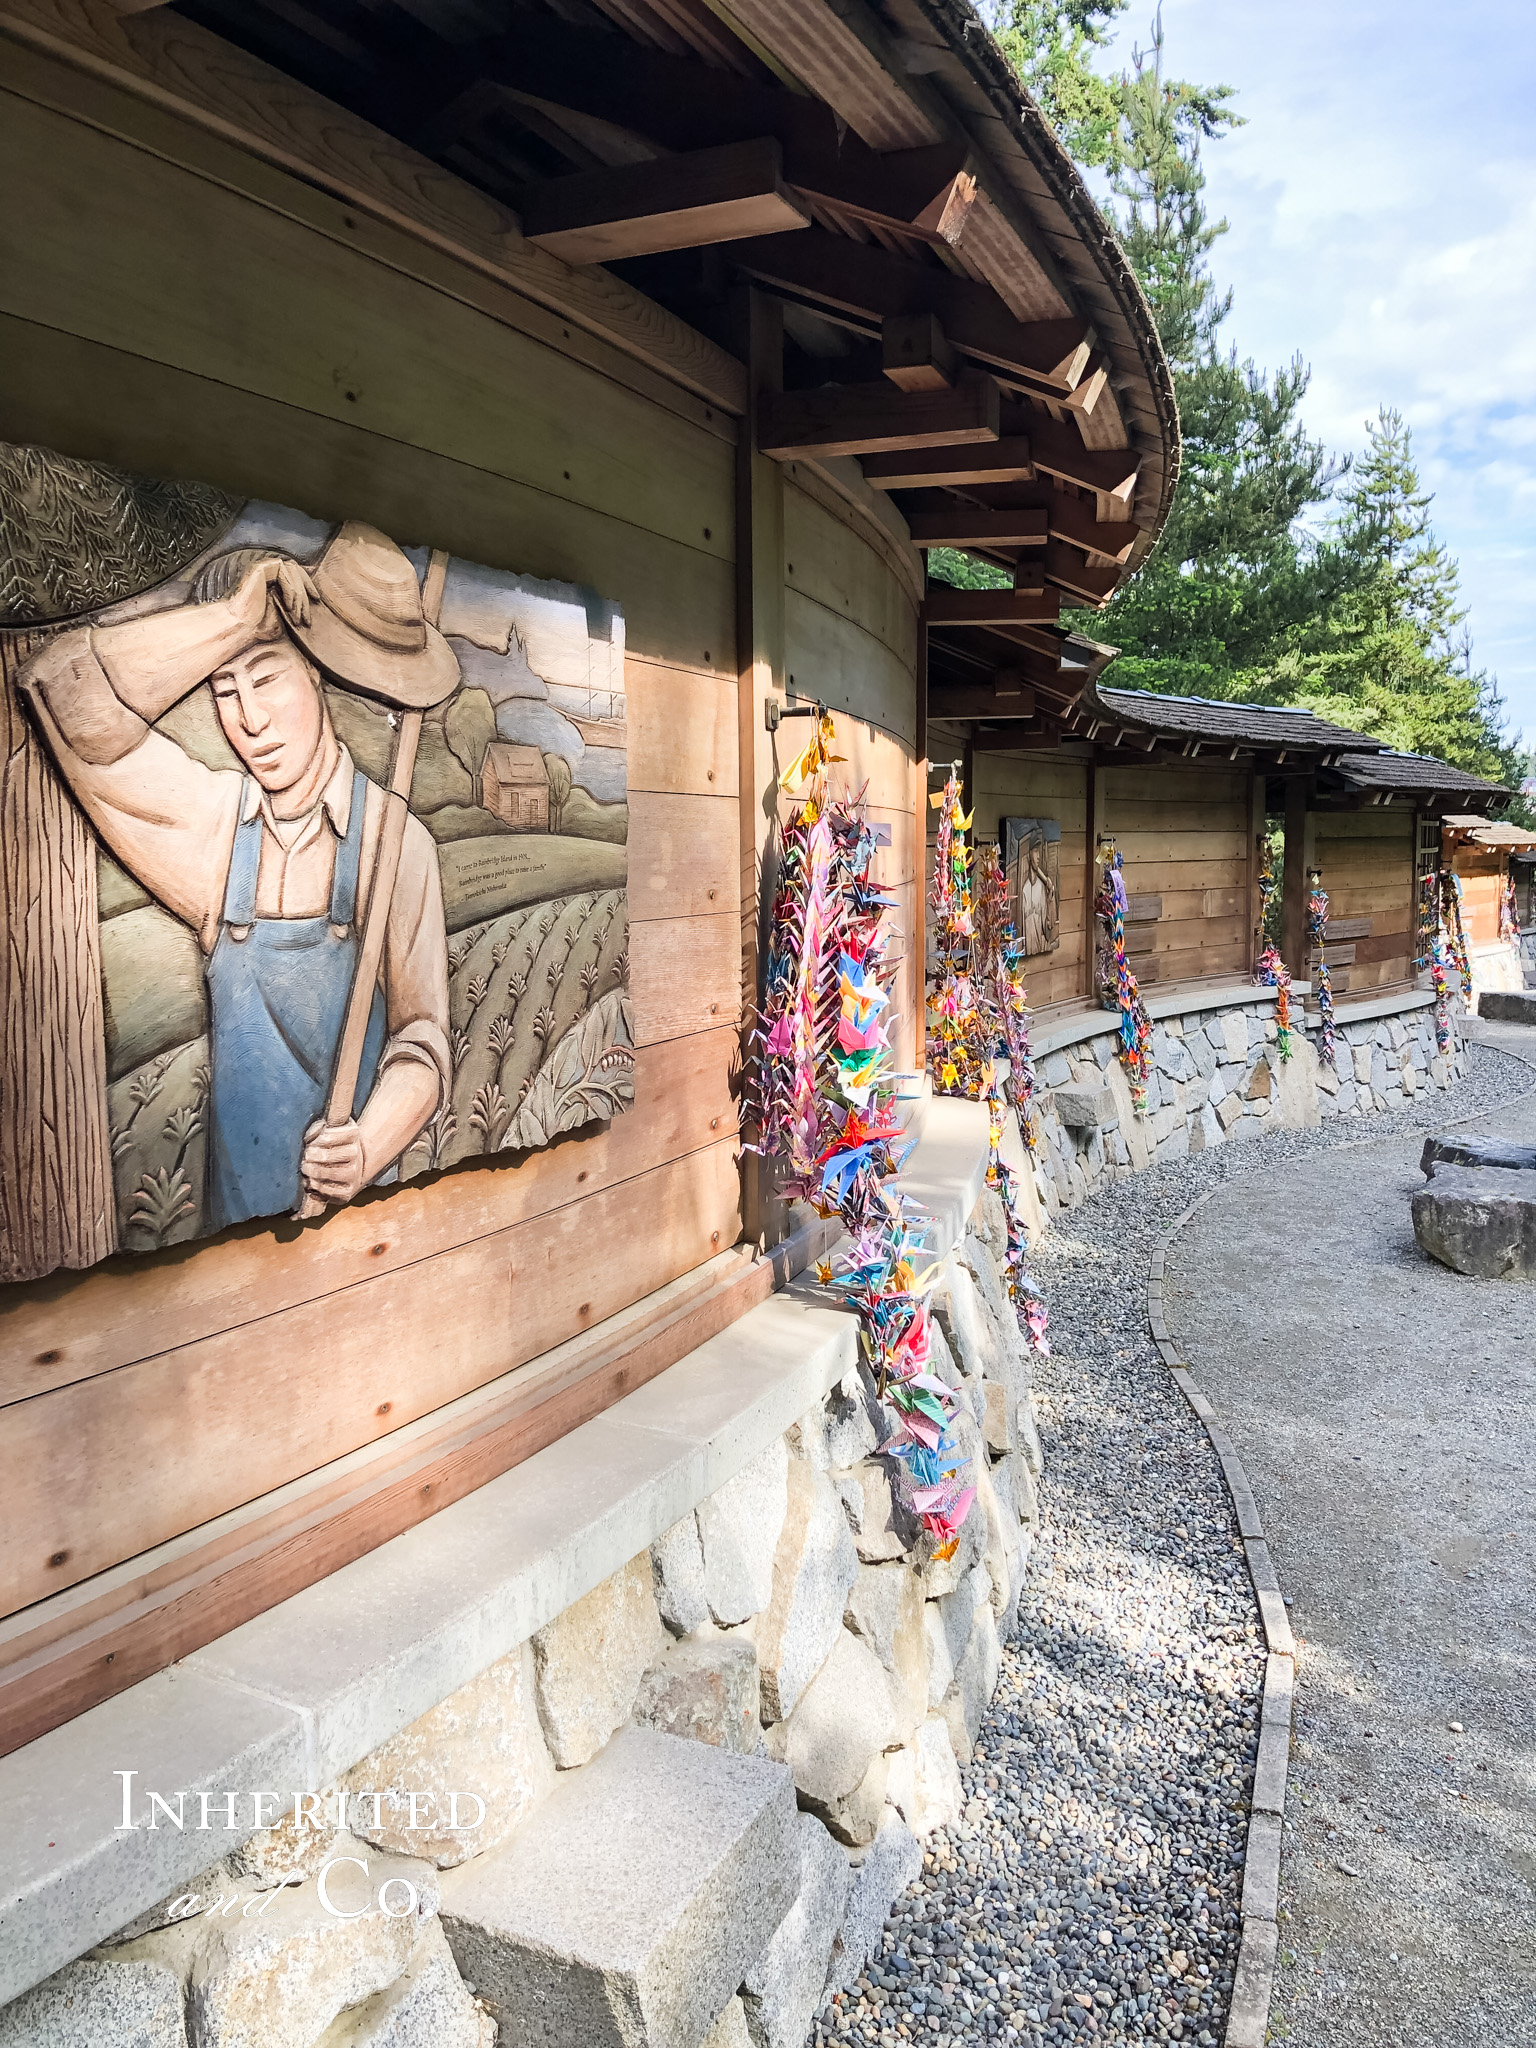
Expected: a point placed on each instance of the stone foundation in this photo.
(679, 1813)
(1216, 1079)
(678, 1810)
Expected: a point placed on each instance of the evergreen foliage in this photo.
(1285, 574)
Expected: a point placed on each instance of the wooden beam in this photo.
(1004, 460)
(1068, 517)
(1029, 573)
(1059, 451)
(927, 191)
(873, 419)
(677, 101)
(1085, 394)
(1067, 567)
(969, 526)
(1027, 739)
(957, 700)
(854, 278)
(1039, 644)
(976, 664)
(674, 202)
(915, 353)
(174, 64)
(1009, 682)
(945, 216)
(946, 607)
(1072, 519)
(757, 323)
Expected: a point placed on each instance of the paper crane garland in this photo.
(1272, 971)
(1452, 910)
(1432, 936)
(1135, 1025)
(1322, 980)
(824, 1104)
(978, 1005)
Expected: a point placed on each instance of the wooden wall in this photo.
(170, 304)
(850, 641)
(1482, 870)
(1044, 785)
(1185, 836)
(1366, 860)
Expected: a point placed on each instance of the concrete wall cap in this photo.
(295, 1697)
(1345, 1012)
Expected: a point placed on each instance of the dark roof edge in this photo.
(1375, 770)
(1341, 740)
(971, 41)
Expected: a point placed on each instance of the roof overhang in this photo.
(964, 342)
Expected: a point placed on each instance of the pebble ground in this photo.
(1090, 1892)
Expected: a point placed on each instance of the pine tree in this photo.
(1234, 568)
(1253, 591)
(1391, 655)
(1050, 44)
(1156, 171)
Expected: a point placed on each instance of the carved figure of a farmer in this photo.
(270, 867)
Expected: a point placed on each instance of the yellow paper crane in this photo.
(814, 756)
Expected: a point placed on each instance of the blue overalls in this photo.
(278, 989)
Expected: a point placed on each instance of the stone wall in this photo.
(1217, 1078)
(678, 1814)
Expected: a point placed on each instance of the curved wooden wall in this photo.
(172, 305)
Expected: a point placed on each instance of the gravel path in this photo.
(1090, 1893)
(1385, 1409)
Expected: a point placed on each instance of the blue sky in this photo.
(1382, 202)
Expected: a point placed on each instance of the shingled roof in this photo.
(1272, 727)
(1383, 769)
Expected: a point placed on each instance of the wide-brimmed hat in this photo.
(368, 629)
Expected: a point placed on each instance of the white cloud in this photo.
(1382, 201)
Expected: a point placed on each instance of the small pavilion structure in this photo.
(1493, 862)
(1193, 795)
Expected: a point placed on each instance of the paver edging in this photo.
(1259, 1930)
(1258, 1918)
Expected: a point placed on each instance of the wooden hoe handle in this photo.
(386, 865)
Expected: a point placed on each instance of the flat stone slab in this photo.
(1508, 1005)
(1479, 1220)
(1084, 1109)
(630, 1908)
(87, 2005)
(1476, 1150)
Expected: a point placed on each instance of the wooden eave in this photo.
(711, 110)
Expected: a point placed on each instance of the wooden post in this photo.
(758, 324)
(1255, 869)
(57, 1206)
(1093, 790)
(1293, 897)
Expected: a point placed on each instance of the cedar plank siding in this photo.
(1366, 859)
(177, 308)
(1481, 870)
(1045, 786)
(1183, 834)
